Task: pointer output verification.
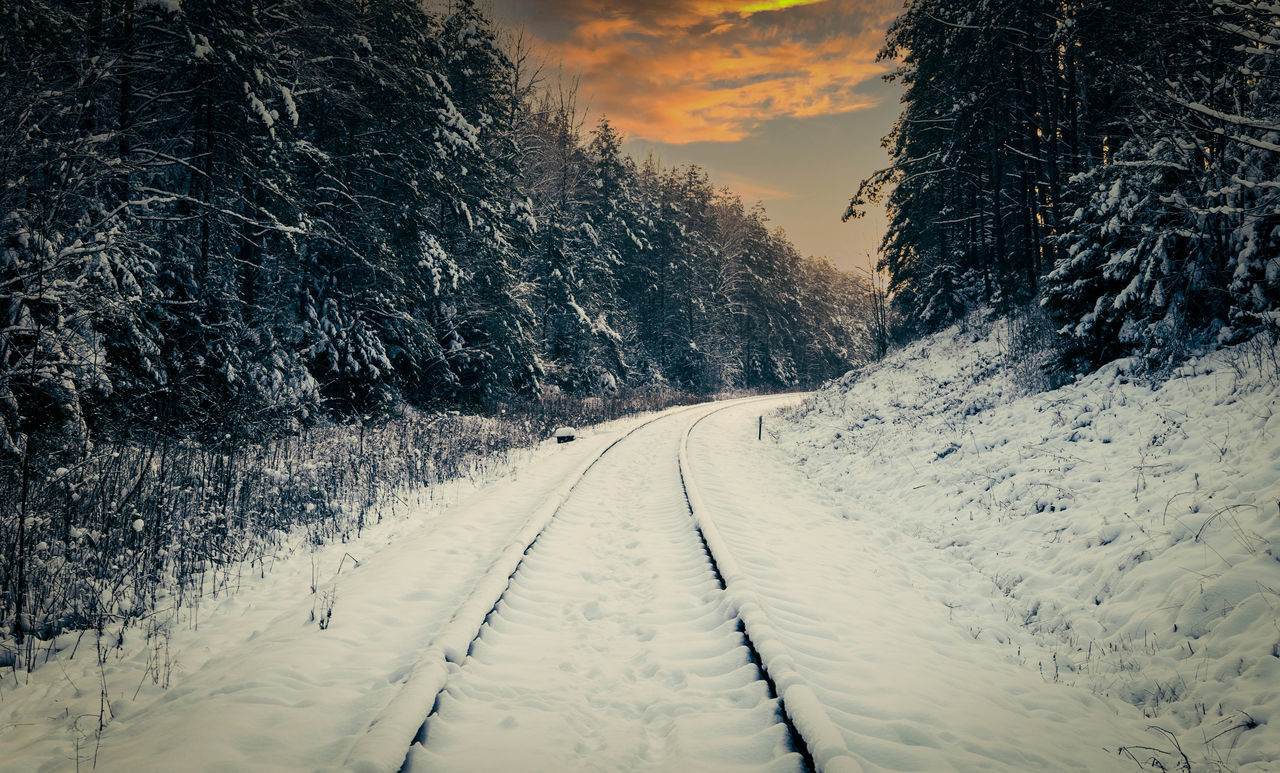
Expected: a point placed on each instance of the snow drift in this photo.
(1129, 529)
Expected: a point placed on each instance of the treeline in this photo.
(225, 217)
(1116, 162)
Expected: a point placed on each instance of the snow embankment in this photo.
(1130, 531)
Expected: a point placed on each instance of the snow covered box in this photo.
(566, 435)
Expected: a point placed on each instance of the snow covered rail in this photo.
(381, 748)
(611, 647)
(823, 741)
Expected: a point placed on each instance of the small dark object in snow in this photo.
(566, 435)
(948, 451)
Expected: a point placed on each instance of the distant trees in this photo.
(230, 216)
(1126, 175)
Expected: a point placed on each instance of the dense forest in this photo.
(256, 256)
(1114, 165)
(228, 216)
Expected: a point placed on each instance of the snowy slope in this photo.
(1126, 536)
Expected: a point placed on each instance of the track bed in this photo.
(613, 647)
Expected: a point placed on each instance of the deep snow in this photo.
(851, 608)
(1112, 535)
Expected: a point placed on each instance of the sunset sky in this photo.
(780, 100)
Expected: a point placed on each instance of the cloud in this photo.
(680, 71)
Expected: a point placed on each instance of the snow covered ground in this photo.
(254, 682)
(1107, 536)
(939, 576)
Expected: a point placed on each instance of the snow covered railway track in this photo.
(812, 727)
(611, 645)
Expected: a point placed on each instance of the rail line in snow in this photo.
(612, 647)
(523, 600)
(823, 743)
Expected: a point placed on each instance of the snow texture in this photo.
(1114, 537)
(820, 734)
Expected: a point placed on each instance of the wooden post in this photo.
(760, 429)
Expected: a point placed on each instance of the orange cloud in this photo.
(680, 71)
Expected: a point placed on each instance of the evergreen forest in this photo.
(1109, 169)
(231, 217)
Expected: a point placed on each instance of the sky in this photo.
(780, 100)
